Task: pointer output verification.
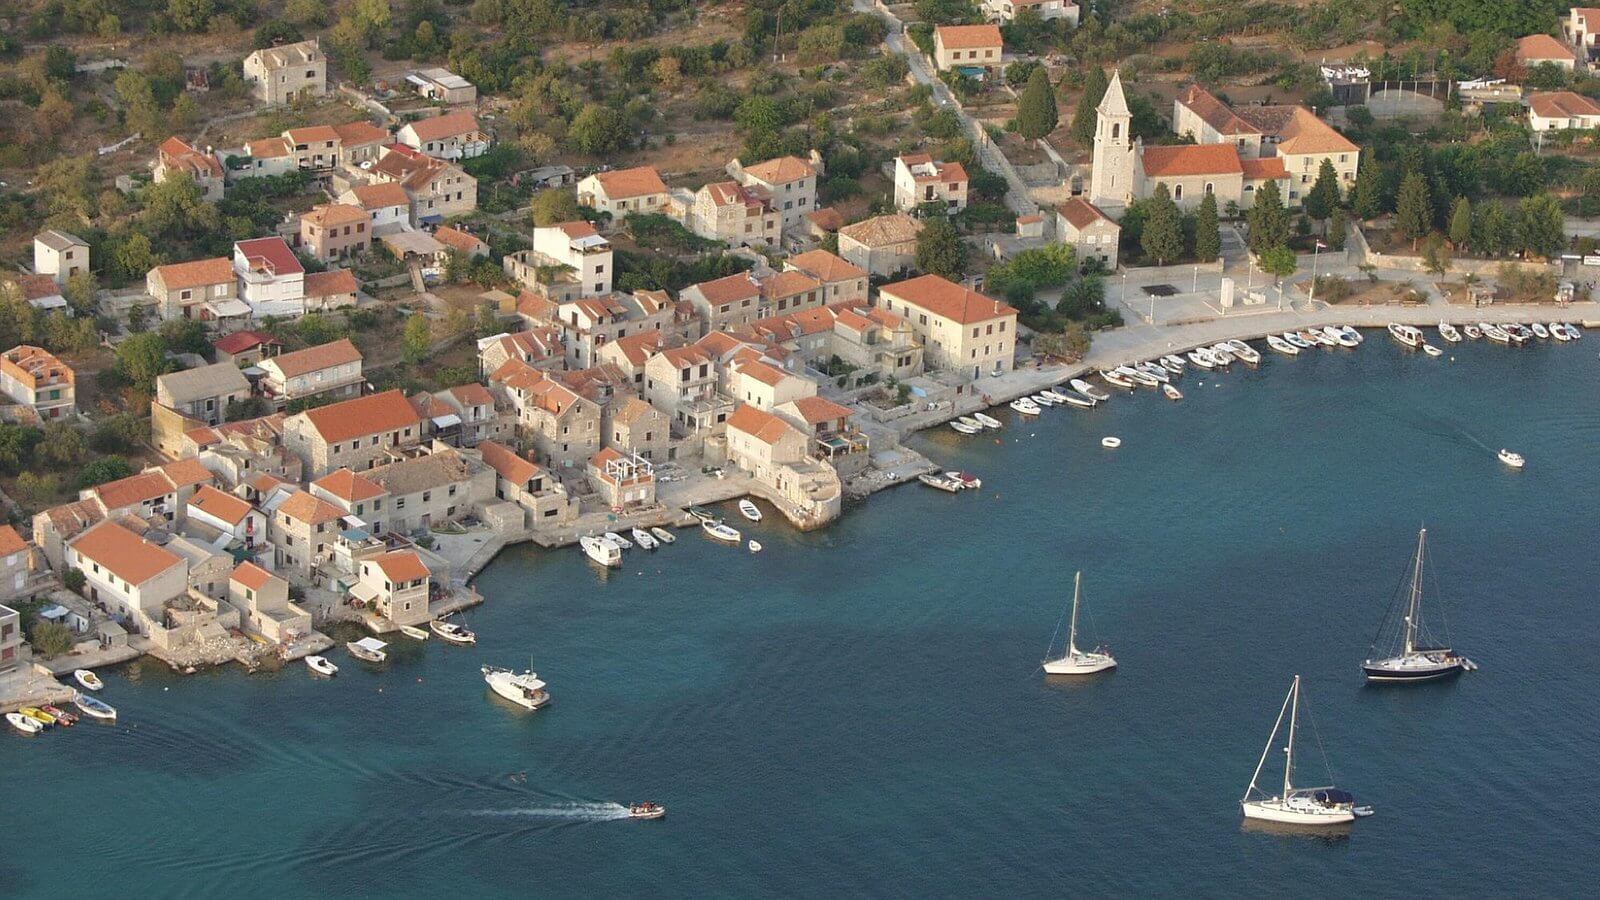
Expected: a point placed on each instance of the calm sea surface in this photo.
(859, 710)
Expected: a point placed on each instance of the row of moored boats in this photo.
(1512, 333)
(36, 719)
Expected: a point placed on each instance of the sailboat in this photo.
(1075, 661)
(1296, 806)
(1413, 662)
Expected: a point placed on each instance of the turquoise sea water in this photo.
(858, 710)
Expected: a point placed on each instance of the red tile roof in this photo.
(968, 37)
(124, 554)
(348, 486)
(948, 299)
(763, 426)
(639, 181)
(240, 341)
(270, 254)
(1180, 160)
(401, 565)
(226, 507)
(252, 576)
(362, 416)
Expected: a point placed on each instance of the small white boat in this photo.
(1171, 392)
(1244, 351)
(986, 421)
(1473, 332)
(644, 538)
(1518, 334)
(1539, 331)
(367, 649)
(88, 680)
(322, 666)
(1173, 362)
(413, 632)
(662, 535)
(1494, 333)
(1295, 340)
(755, 546)
(1405, 334)
(1281, 345)
(1201, 358)
(1572, 330)
(1114, 378)
(749, 510)
(1431, 350)
(1514, 460)
(1449, 333)
(618, 541)
(646, 810)
(453, 632)
(1041, 401)
(1155, 370)
(93, 708)
(1111, 443)
(964, 429)
(1073, 398)
(941, 482)
(1342, 338)
(967, 480)
(1089, 390)
(1075, 661)
(601, 550)
(1352, 333)
(522, 688)
(1054, 395)
(1025, 406)
(1223, 353)
(1171, 368)
(720, 531)
(1313, 337)
(1559, 332)
(23, 723)
(1136, 376)
(970, 422)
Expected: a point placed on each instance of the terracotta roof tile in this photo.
(312, 359)
(511, 465)
(331, 282)
(362, 416)
(1081, 213)
(305, 507)
(401, 565)
(348, 486)
(640, 181)
(826, 266)
(124, 554)
(134, 490)
(968, 37)
(816, 410)
(782, 170)
(445, 126)
(252, 576)
(226, 507)
(1180, 160)
(763, 426)
(948, 299)
(881, 231)
(10, 541)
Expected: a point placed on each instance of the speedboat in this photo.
(1559, 332)
(1320, 806)
(1449, 332)
(413, 632)
(967, 480)
(1342, 337)
(1514, 460)
(1540, 332)
(617, 540)
(941, 482)
(1405, 334)
(749, 510)
(662, 535)
(38, 715)
(1089, 390)
(1137, 376)
(1431, 350)
(322, 666)
(23, 723)
(1074, 398)
(1351, 332)
(1495, 333)
(601, 550)
(1295, 340)
(1281, 345)
(964, 428)
(721, 531)
(986, 420)
(88, 680)
(646, 810)
(522, 688)
(1244, 351)
(1472, 331)
(1115, 378)
(1025, 406)
(644, 538)
(1171, 392)
(1201, 358)
(453, 632)
(93, 708)
(368, 650)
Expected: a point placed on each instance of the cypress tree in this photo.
(1207, 233)
(1083, 119)
(1163, 232)
(1461, 223)
(1269, 223)
(1036, 108)
(1413, 214)
(1324, 194)
(1366, 200)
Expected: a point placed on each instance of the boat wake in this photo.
(570, 812)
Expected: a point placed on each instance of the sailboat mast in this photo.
(1072, 632)
(1416, 595)
(1288, 752)
(1268, 748)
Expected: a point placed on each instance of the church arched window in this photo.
(1116, 130)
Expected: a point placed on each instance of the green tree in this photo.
(49, 638)
(38, 488)
(1366, 200)
(415, 341)
(1324, 194)
(1413, 215)
(63, 446)
(16, 447)
(74, 579)
(82, 293)
(142, 359)
(1162, 239)
(486, 321)
(1338, 228)
(1540, 226)
(191, 15)
(1436, 254)
(1268, 220)
(1083, 118)
(138, 100)
(1279, 262)
(1493, 232)
(1036, 107)
(597, 129)
(1461, 223)
(940, 250)
(102, 470)
(1207, 231)
(554, 206)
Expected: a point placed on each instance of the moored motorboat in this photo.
(1155, 370)
(1244, 351)
(1041, 401)
(1223, 353)
(1111, 442)
(94, 709)
(662, 535)
(1352, 333)
(1137, 376)
(38, 715)
(88, 680)
(1573, 330)
(1171, 392)
(522, 688)
(701, 513)
(413, 632)
(1089, 390)
(1472, 331)
(1494, 333)
(970, 422)
(1025, 406)
(721, 531)
(643, 538)
(617, 541)
(1173, 362)
(1281, 345)
(454, 632)
(600, 550)
(749, 510)
(62, 717)
(1342, 337)
(940, 481)
(1201, 358)
(1073, 398)
(967, 480)
(1295, 340)
(322, 666)
(1517, 333)
(23, 723)
(1116, 378)
(1514, 460)
(1405, 334)
(367, 650)
(1449, 332)
(1320, 806)
(1055, 396)
(1170, 367)
(963, 428)
(1313, 337)
(1539, 331)
(1559, 332)
(646, 810)
(986, 421)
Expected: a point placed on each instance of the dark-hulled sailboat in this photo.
(1411, 661)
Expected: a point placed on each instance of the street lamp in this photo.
(1312, 299)
(1196, 289)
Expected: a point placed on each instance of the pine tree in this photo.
(1461, 223)
(1163, 232)
(1413, 214)
(1269, 223)
(1083, 118)
(1036, 108)
(1366, 200)
(1540, 226)
(1207, 233)
(1324, 194)
(1492, 230)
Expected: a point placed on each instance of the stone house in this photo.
(844, 282)
(336, 231)
(1088, 231)
(436, 189)
(262, 600)
(967, 46)
(563, 425)
(518, 480)
(176, 157)
(205, 289)
(882, 245)
(918, 179)
(624, 191)
(280, 74)
(623, 482)
(332, 369)
(430, 488)
(127, 574)
(302, 530)
(638, 427)
(356, 434)
(203, 393)
(397, 584)
(789, 182)
(960, 329)
(59, 255)
(452, 136)
(35, 378)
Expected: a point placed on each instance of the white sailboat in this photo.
(1318, 806)
(1413, 662)
(1075, 661)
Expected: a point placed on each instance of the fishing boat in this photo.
(1114, 378)
(967, 480)
(755, 546)
(1431, 350)
(986, 420)
(1171, 392)
(367, 650)
(23, 723)
(1405, 334)
(662, 535)
(1202, 359)
(453, 632)
(1155, 370)
(1449, 333)
(1089, 390)
(1539, 331)
(1410, 661)
(1073, 398)
(1222, 353)
(1313, 337)
(94, 709)
(721, 531)
(701, 513)
(1319, 806)
(1025, 406)
(1055, 396)
(749, 510)
(1559, 332)
(1341, 337)
(618, 541)
(1041, 401)
(644, 538)
(88, 680)
(600, 550)
(1514, 460)
(38, 715)
(1472, 331)
(522, 688)
(970, 422)
(322, 666)
(1173, 362)
(1352, 333)
(62, 717)
(964, 429)
(1075, 661)
(1136, 376)
(1494, 333)
(413, 632)
(1244, 351)
(646, 810)
(1295, 340)
(1281, 345)
(940, 482)
(1517, 334)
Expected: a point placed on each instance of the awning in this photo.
(448, 420)
(371, 644)
(431, 220)
(227, 309)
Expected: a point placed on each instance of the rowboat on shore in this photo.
(1114, 378)
(986, 421)
(644, 538)
(970, 422)
(1313, 337)
(1281, 345)
(1089, 390)
(617, 541)
(1222, 353)
(1449, 333)
(1041, 401)
(749, 510)
(1572, 330)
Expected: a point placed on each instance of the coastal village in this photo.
(292, 369)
